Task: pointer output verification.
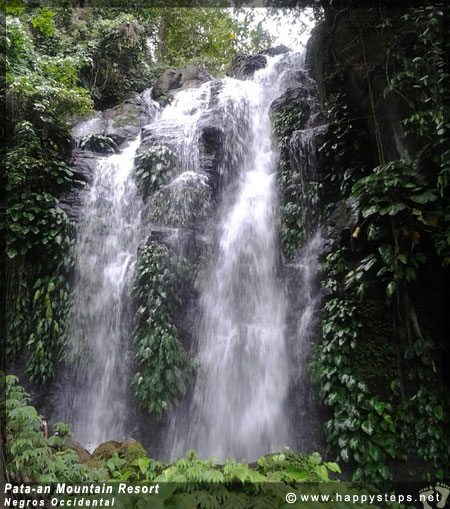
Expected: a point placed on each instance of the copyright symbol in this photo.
(291, 498)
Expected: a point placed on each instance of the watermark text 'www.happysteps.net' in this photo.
(429, 497)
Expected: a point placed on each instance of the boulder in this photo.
(172, 81)
(278, 50)
(244, 66)
(83, 163)
(106, 450)
(293, 98)
(82, 453)
(192, 76)
(169, 79)
(131, 449)
(303, 98)
(123, 121)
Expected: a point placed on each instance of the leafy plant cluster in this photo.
(39, 256)
(30, 457)
(285, 122)
(163, 365)
(155, 167)
(208, 36)
(99, 143)
(343, 144)
(189, 481)
(368, 430)
(41, 88)
(421, 81)
(392, 252)
(361, 428)
(116, 44)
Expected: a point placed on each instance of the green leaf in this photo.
(368, 211)
(391, 287)
(425, 197)
(438, 413)
(299, 474)
(367, 428)
(143, 464)
(12, 253)
(334, 467)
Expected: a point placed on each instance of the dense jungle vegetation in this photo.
(383, 175)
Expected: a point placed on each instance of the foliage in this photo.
(367, 429)
(164, 366)
(399, 193)
(30, 457)
(33, 458)
(99, 143)
(119, 59)
(361, 427)
(392, 251)
(190, 480)
(41, 88)
(285, 123)
(155, 167)
(343, 147)
(206, 36)
(38, 250)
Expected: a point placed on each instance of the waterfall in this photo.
(239, 402)
(107, 241)
(248, 348)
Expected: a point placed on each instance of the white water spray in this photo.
(239, 401)
(108, 237)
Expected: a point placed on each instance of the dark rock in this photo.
(344, 218)
(83, 163)
(72, 204)
(278, 50)
(168, 80)
(244, 66)
(172, 81)
(293, 97)
(123, 121)
(193, 76)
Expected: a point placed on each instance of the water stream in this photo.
(238, 406)
(108, 237)
(245, 353)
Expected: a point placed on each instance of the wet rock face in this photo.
(100, 134)
(169, 80)
(300, 92)
(123, 121)
(172, 80)
(278, 50)
(120, 123)
(244, 66)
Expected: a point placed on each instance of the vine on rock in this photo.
(163, 365)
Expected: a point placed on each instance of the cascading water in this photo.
(238, 406)
(246, 346)
(108, 237)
